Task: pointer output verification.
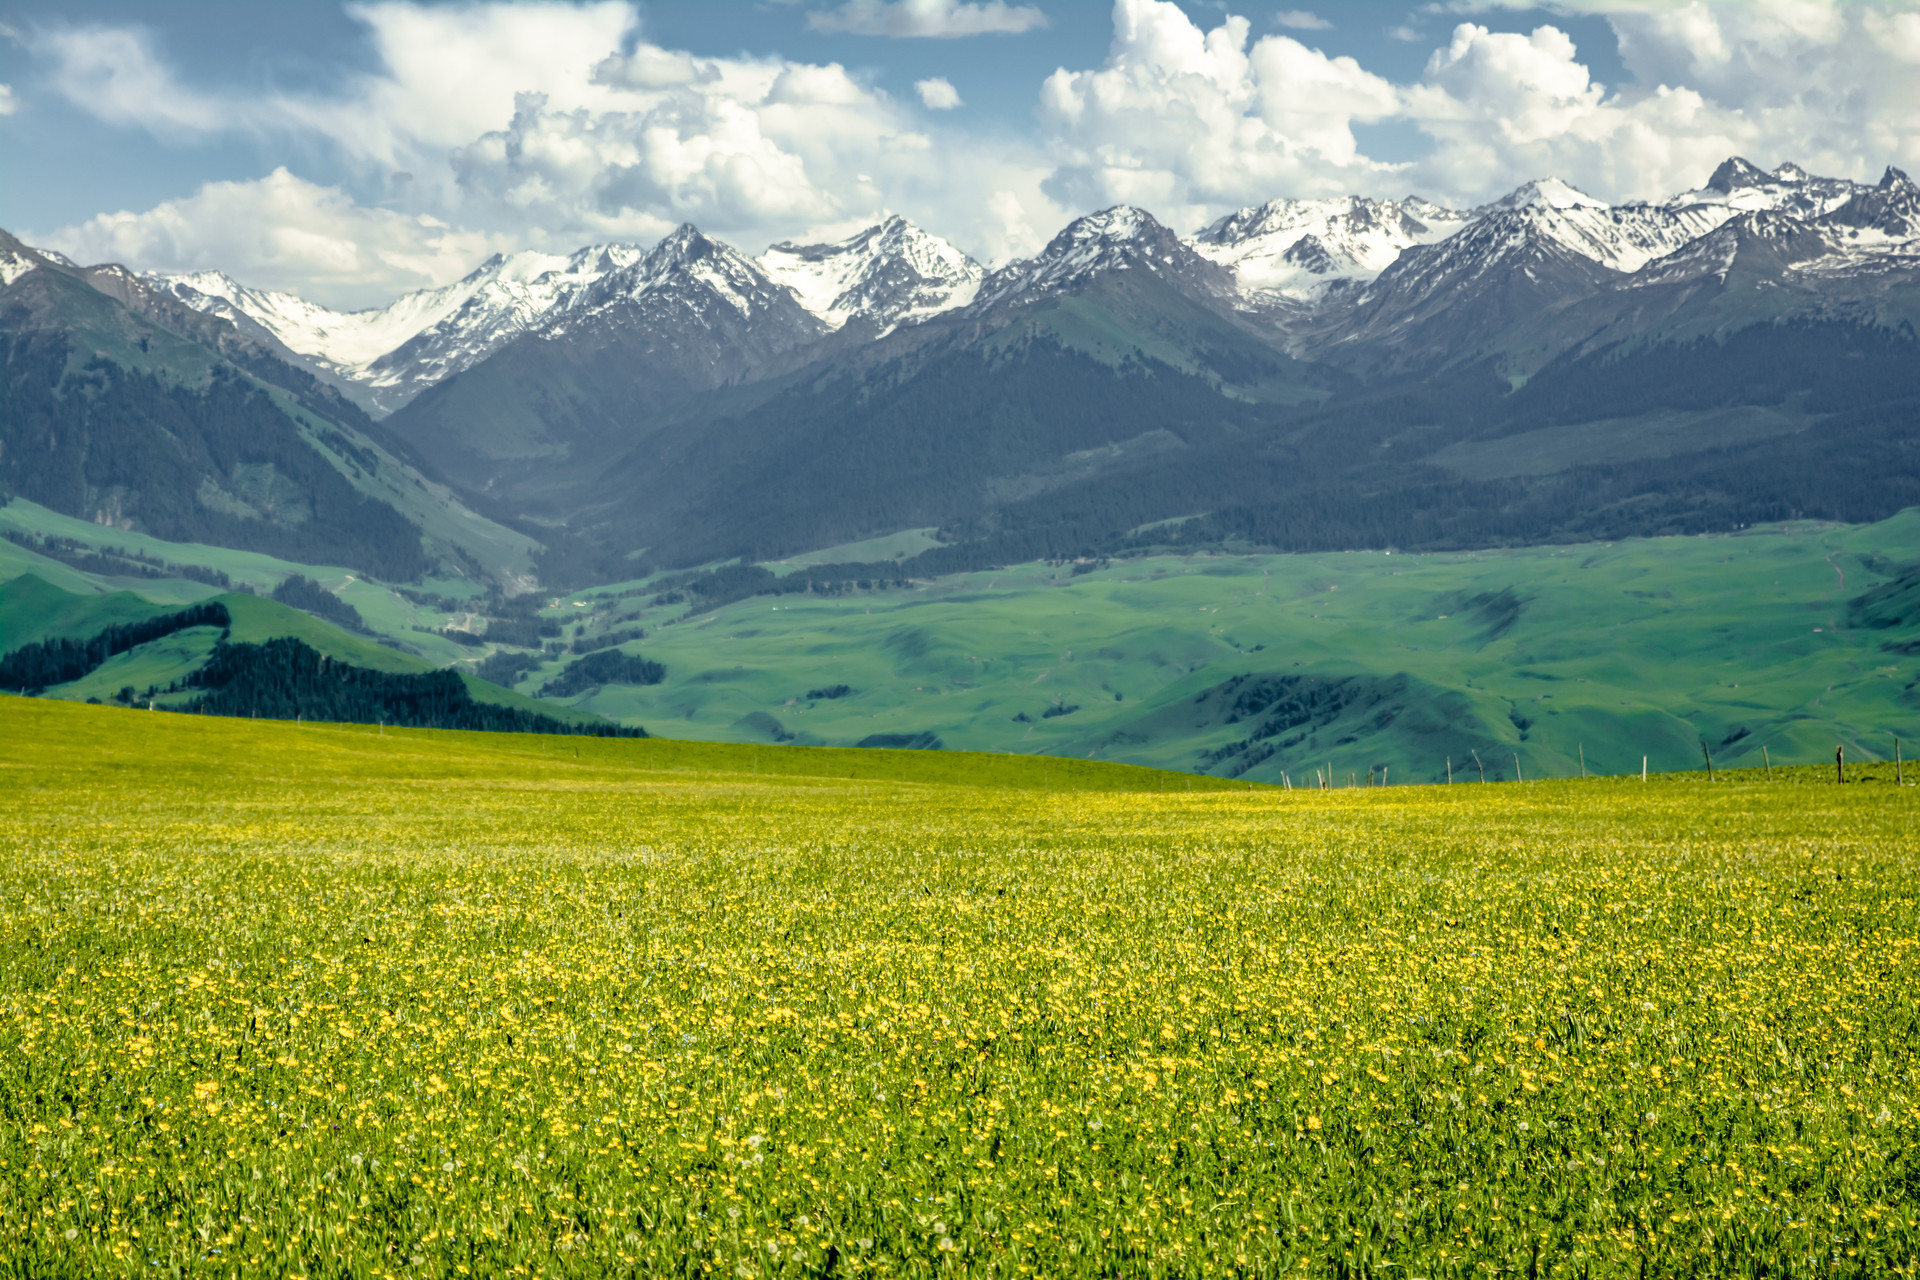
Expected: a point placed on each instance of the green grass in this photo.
(1619, 650)
(1616, 651)
(32, 610)
(386, 612)
(324, 1000)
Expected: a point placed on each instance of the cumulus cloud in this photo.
(1821, 82)
(445, 75)
(936, 18)
(7, 103)
(1185, 121)
(937, 94)
(281, 232)
(1192, 122)
(551, 124)
(1301, 20)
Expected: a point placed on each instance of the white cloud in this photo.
(937, 94)
(281, 232)
(938, 18)
(528, 126)
(1302, 20)
(1191, 122)
(446, 74)
(1820, 82)
(117, 74)
(555, 124)
(7, 103)
(1188, 123)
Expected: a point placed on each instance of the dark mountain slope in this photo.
(204, 456)
(109, 415)
(549, 409)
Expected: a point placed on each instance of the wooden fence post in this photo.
(1769, 760)
(1709, 755)
(1840, 763)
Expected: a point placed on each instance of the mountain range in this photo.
(1300, 375)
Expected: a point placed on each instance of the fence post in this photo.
(1516, 768)
(1709, 755)
(1583, 761)
(1840, 763)
(1769, 760)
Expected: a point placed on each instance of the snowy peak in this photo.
(1888, 212)
(687, 283)
(1735, 173)
(1298, 247)
(17, 259)
(1122, 238)
(1617, 237)
(392, 353)
(1764, 241)
(1742, 186)
(1544, 193)
(890, 274)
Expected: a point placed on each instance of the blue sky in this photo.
(350, 151)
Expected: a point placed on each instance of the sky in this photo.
(350, 152)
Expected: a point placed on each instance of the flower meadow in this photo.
(321, 1001)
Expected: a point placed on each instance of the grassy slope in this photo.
(32, 610)
(1621, 650)
(211, 747)
(1628, 649)
(101, 325)
(386, 612)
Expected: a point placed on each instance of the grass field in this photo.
(1615, 651)
(1532, 659)
(325, 1001)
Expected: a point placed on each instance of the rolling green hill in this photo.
(32, 610)
(1268, 667)
(1260, 665)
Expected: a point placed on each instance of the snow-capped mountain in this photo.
(689, 316)
(1116, 239)
(887, 275)
(390, 354)
(1744, 187)
(1298, 247)
(686, 286)
(1882, 214)
(1618, 237)
(1351, 266)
